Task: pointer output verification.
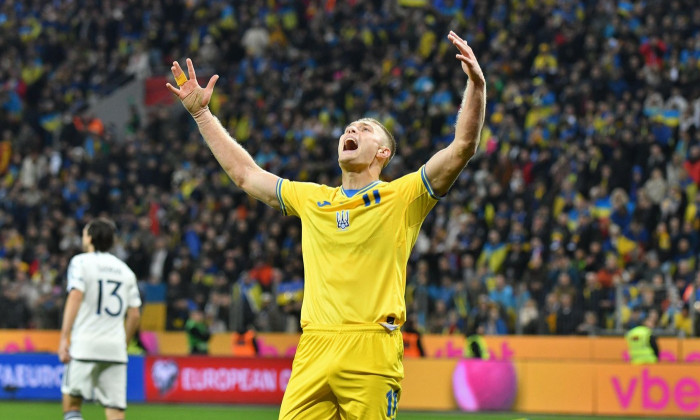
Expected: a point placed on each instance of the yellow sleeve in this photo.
(293, 196)
(419, 195)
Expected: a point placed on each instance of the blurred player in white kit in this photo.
(102, 291)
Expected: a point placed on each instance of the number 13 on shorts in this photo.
(392, 400)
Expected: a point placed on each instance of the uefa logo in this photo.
(164, 375)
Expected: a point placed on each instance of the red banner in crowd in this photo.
(217, 379)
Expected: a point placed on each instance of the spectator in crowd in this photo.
(589, 326)
(197, 332)
(15, 311)
(495, 323)
(568, 316)
(528, 318)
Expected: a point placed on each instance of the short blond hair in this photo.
(387, 134)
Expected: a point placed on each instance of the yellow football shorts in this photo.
(345, 372)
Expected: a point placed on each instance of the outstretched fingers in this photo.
(209, 90)
(212, 82)
(172, 89)
(465, 59)
(179, 76)
(461, 44)
(190, 69)
(186, 86)
(176, 69)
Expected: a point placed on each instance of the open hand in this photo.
(193, 97)
(466, 56)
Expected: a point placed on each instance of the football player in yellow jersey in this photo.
(356, 240)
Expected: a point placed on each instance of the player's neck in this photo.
(358, 180)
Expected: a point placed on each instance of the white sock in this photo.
(72, 415)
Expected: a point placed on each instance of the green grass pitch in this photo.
(29, 410)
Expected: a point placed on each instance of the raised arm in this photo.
(445, 166)
(232, 157)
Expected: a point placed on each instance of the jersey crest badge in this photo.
(343, 219)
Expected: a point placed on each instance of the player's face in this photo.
(359, 145)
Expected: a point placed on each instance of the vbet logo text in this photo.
(656, 393)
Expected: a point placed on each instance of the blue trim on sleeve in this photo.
(278, 190)
(424, 177)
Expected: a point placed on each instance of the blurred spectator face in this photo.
(564, 279)
(531, 304)
(443, 264)
(474, 284)
(611, 262)
(651, 318)
(467, 261)
(440, 307)
(197, 315)
(483, 301)
(422, 266)
(552, 301)
(636, 314)
(494, 237)
(174, 278)
(694, 153)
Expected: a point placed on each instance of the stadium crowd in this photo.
(580, 214)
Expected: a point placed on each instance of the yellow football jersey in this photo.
(356, 248)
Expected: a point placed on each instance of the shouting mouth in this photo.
(350, 144)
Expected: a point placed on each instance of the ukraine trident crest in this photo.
(343, 219)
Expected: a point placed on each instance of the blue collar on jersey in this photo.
(350, 193)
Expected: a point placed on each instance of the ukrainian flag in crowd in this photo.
(602, 208)
(51, 122)
(667, 117)
(493, 256)
(671, 117)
